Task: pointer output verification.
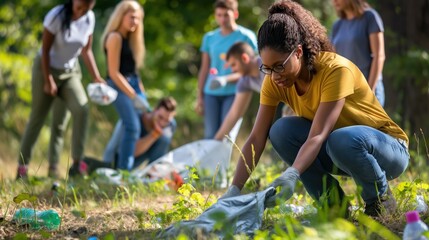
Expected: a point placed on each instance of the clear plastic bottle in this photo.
(215, 81)
(48, 219)
(415, 227)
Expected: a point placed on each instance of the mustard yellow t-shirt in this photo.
(336, 78)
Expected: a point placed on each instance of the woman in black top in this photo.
(124, 46)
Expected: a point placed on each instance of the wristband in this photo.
(155, 134)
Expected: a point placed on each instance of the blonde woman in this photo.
(124, 47)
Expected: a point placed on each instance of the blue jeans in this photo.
(158, 149)
(379, 92)
(131, 120)
(215, 110)
(368, 155)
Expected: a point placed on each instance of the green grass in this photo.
(139, 211)
(89, 207)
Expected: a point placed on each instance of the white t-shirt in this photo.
(68, 45)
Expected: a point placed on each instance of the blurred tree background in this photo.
(173, 33)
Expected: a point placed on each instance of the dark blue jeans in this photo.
(379, 92)
(215, 110)
(368, 155)
(158, 149)
(131, 121)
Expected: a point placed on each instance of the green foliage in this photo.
(20, 236)
(282, 222)
(376, 227)
(189, 204)
(407, 193)
(413, 66)
(15, 95)
(25, 196)
(173, 35)
(322, 10)
(109, 236)
(19, 31)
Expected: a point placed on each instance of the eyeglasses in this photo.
(277, 69)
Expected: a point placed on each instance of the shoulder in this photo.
(337, 23)
(245, 31)
(243, 84)
(91, 16)
(52, 20)
(55, 10)
(328, 63)
(373, 19)
(371, 14)
(330, 60)
(113, 39)
(212, 33)
(53, 13)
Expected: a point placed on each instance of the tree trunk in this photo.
(406, 28)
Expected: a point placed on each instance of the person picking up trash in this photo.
(339, 129)
(242, 59)
(156, 131)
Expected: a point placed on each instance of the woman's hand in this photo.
(199, 107)
(157, 129)
(50, 87)
(287, 182)
(99, 79)
(140, 103)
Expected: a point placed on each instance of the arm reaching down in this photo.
(237, 110)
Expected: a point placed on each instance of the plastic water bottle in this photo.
(48, 219)
(212, 75)
(415, 227)
(421, 205)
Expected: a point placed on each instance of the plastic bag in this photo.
(101, 93)
(210, 158)
(242, 214)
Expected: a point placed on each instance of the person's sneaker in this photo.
(53, 172)
(386, 205)
(22, 172)
(78, 168)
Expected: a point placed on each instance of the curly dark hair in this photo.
(289, 25)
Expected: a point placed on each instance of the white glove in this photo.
(141, 103)
(217, 82)
(231, 192)
(287, 181)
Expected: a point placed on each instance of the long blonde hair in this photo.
(136, 38)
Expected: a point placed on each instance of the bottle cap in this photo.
(412, 216)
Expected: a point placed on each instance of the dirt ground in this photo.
(106, 219)
(121, 221)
